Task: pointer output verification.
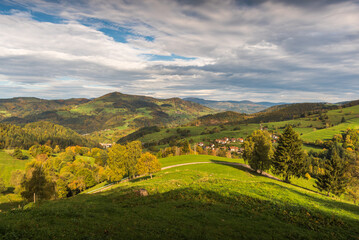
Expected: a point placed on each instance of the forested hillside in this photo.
(21, 107)
(113, 110)
(272, 114)
(12, 136)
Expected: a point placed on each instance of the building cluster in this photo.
(226, 140)
(106, 145)
(223, 141)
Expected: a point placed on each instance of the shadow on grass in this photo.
(9, 190)
(324, 201)
(138, 179)
(7, 206)
(183, 213)
(245, 168)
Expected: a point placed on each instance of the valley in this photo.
(205, 179)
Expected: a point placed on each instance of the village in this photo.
(231, 144)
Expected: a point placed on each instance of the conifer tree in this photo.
(258, 150)
(289, 156)
(334, 180)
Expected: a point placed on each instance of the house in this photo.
(275, 136)
(241, 140)
(106, 145)
(233, 139)
(201, 144)
(233, 149)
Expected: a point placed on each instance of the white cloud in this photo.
(271, 50)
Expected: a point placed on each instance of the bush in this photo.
(18, 154)
(307, 176)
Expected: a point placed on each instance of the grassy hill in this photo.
(22, 107)
(113, 110)
(205, 201)
(313, 125)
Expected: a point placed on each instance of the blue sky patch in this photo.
(172, 57)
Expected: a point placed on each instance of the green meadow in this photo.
(9, 164)
(203, 201)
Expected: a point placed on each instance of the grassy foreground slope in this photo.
(204, 201)
(8, 164)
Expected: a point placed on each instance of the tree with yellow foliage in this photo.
(147, 164)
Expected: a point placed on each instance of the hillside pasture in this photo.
(8, 164)
(204, 201)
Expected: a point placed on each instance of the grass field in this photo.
(9, 164)
(204, 201)
(169, 161)
(328, 133)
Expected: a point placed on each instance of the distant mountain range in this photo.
(113, 110)
(244, 106)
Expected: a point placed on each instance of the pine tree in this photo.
(289, 156)
(258, 150)
(334, 179)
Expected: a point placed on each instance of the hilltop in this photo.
(113, 110)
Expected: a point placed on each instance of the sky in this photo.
(278, 51)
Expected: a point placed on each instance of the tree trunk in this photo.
(151, 175)
(287, 179)
(34, 197)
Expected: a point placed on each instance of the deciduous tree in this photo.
(35, 184)
(148, 164)
(258, 150)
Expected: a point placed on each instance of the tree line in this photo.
(64, 173)
(338, 168)
(12, 136)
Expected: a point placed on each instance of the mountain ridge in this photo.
(244, 106)
(112, 110)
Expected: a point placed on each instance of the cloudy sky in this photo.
(281, 51)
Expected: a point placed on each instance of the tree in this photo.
(35, 184)
(343, 120)
(122, 160)
(18, 154)
(101, 157)
(16, 178)
(289, 156)
(61, 188)
(40, 149)
(116, 166)
(133, 153)
(57, 149)
(258, 150)
(148, 164)
(335, 179)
